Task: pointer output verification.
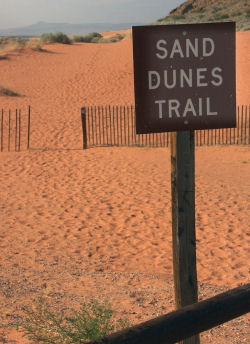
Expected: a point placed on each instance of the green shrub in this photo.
(57, 37)
(96, 37)
(61, 38)
(92, 321)
(92, 37)
(7, 92)
(119, 37)
(46, 38)
(108, 40)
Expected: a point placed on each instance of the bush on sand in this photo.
(92, 321)
(92, 37)
(7, 92)
(57, 37)
(95, 37)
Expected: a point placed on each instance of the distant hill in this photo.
(69, 29)
(207, 11)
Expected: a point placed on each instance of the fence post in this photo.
(2, 132)
(245, 133)
(241, 124)
(84, 132)
(9, 131)
(16, 132)
(248, 124)
(183, 221)
(19, 142)
(28, 143)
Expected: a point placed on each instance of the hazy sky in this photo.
(16, 13)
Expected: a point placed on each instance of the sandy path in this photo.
(77, 224)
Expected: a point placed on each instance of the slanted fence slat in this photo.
(115, 126)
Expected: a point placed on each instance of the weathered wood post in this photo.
(28, 140)
(183, 221)
(16, 132)
(84, 131)
(2, 131)
(19, 134)
(9, 131)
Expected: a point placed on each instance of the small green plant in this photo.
(92, 321)
(57, 37)
(7, 92)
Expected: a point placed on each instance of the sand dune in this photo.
(97, 223)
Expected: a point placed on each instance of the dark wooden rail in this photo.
(186, 322)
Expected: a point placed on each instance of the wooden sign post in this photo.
(183, 221)
(184, 78)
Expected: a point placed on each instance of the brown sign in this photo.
(184, 77)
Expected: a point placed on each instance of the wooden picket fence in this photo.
(115, 126)
(15, 130)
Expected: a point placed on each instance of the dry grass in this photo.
(34, 44)
(9, 45)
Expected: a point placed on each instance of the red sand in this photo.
(79, 224)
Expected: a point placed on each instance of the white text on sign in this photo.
(170, 78)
